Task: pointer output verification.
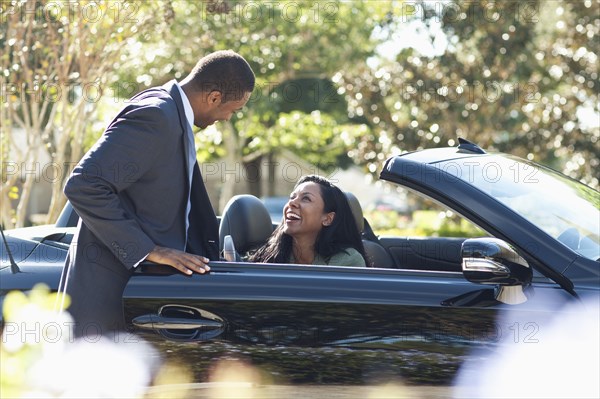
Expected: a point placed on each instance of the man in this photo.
(139, 192)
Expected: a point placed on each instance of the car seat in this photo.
(246, 219)
(377, 254)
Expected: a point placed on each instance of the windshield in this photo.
(564, 208)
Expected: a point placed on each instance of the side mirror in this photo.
(493, 261)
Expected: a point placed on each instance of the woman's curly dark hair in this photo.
(342, 233)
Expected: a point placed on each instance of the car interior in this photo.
(248, 222)
(246, 219)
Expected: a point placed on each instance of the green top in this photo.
(346, 257)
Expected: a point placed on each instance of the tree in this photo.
(57, 59)
(298, 44)
(514, 77)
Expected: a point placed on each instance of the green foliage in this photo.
(317, 137)
(57, 63)
(306, 116)
(280, 40)
(52, 46)
(303, 94)
(514, 77)
(293, 47)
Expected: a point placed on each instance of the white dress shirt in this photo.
(189, 116)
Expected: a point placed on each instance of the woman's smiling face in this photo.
(304, 214)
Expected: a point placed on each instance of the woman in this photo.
(317, 228)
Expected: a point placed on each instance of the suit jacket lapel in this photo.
(173, 90)
(203, 232)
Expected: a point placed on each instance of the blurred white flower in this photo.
(41, 358)
(554, 357)
(99, 369)
(34, 325)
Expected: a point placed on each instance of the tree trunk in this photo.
(6, 215)
(252, 174)
(21, 213)
(57, 202)
(232, 163)
(69, 150)
(271, 174)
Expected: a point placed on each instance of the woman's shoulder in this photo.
(347, 257)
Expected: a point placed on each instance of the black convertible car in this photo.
(418, 314)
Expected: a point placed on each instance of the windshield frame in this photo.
(565, 209)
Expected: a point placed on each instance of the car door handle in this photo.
(157, 322)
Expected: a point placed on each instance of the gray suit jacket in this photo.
(131, 191)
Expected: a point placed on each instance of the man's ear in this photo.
(328, 218)
(214, 98)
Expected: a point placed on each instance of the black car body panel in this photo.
(376, 323)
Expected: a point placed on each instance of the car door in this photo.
(313, 324)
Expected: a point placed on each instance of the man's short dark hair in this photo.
(225, 71)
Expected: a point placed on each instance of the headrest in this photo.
(356, 210)
(246, 219)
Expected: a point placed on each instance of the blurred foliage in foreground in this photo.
(40, 357)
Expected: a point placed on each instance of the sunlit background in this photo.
(341, 86)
